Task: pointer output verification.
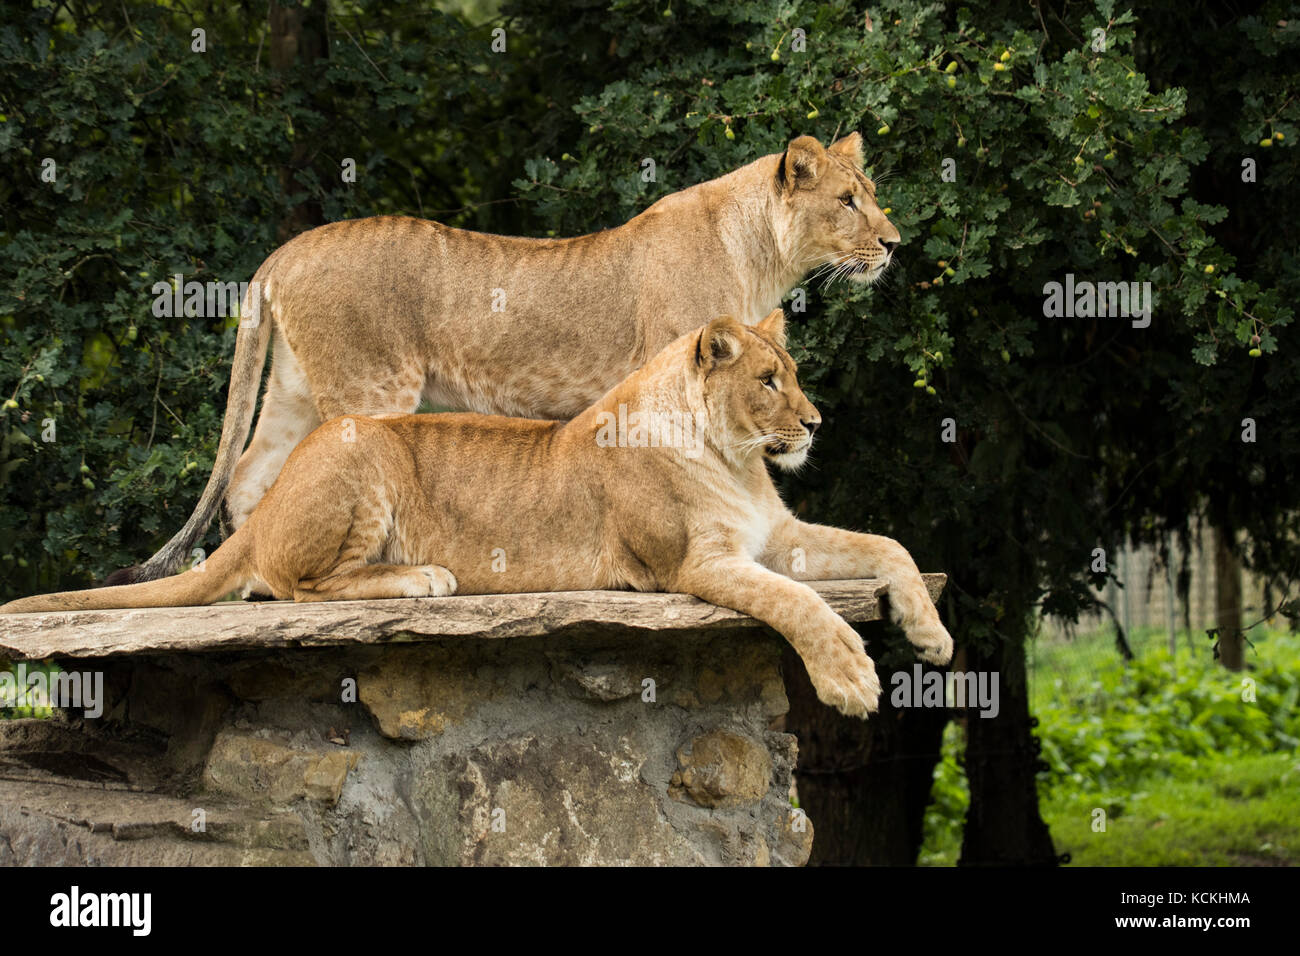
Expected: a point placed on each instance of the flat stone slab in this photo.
(251, 625)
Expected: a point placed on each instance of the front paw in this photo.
(932, 642)
(845, 677)
(437, 581)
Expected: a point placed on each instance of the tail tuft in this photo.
(121, 576)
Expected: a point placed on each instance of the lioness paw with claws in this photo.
(845, 678)
(436, 581)
(932, 642)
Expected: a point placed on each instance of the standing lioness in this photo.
(660, 486)
(369, 316)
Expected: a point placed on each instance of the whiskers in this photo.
(842, 267)
(759, 440)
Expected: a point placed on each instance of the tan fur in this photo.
(371, 315)
(419, 505)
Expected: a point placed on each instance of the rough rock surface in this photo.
(638, 733)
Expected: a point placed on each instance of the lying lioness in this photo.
(659, 486)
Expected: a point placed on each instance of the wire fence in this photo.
(1151, 612)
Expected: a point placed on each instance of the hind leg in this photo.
(288, 416)
(377, 581)
(387, 392)
(291, 410)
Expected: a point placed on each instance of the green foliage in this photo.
(1132, 734)
(169, 161)
(1146, 719)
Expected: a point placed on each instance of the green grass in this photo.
(1242, 813)
(1187, 767)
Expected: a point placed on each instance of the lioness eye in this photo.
(847, 200)
(768, 383)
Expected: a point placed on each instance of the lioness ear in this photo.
(800, 164)
(719, 342)
(850, 147)
(773, 326)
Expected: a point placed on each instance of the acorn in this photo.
(952, 82)
(1255, 353)
(88, 484)
(999, 67)
(1266, 142)
(883, 131)
(730, 134)
(930, 390)
(776, 55)
(951, 67)
(1209, 270)
(919, 383)
(813, 113)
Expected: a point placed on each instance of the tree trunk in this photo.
(1227, 600)
(1003, 825)
(298, 37)
(863, 783)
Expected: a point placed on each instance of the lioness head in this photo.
(752, 393)
(828, 207)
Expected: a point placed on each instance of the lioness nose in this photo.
(889, 246)
(811, 424)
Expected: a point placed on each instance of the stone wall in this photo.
(556, 729)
